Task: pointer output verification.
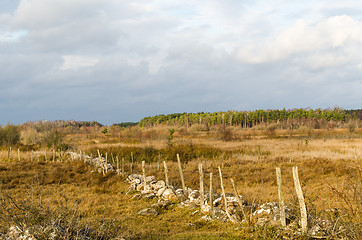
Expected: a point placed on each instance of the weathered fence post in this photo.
(100, 162)
(202, 195)
(106, 163)
(239, 200)
(303, 210)
(131, 163)
(144, 174)
(181, 175)
(19, 154)
(166, 174)
(211, 200)
(32, 155)
(280, 194)
(118, 173)
(223, 194)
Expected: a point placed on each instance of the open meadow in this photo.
(53, 194)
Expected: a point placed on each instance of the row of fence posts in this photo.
(61, 155)
(297, 185)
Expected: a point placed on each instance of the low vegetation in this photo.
(69, 199)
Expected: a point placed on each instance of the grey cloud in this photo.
(154, 58)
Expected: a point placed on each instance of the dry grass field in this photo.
(70, 194)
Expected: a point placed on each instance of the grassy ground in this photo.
(73, 195)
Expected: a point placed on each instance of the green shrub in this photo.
(54, 138)
(9, 135)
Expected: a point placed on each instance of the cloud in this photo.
(76, 62)
(112, 61)
(326, 36)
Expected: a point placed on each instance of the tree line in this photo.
(252, 118)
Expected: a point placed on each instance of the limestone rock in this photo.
(169, 195)
(194, 196)
(158, 185)
(205, 209)
(148, 212)
(150, 179)
(266, 212)
(149, 196)
(161, 191)
(147, 189)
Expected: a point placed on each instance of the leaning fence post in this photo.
(223, 194)
(303, 210)
(166, 174)
(239, 200)
(211, 200)
(202, 201)
(280, 194)
(181, 175)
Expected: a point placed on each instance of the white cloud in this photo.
(326, 36)
(77, 62)
(39, 14)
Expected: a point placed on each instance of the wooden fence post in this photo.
(112, 158)
(106, 163)
(181, 175)
(9, 154)
(280, 194)
(19, 154)
(303, 210)
(239, 200)
(211, 200)
(223, 194)
(202, 195)
(118, 173)
(100, 162)
(32, 155)
(144, 174)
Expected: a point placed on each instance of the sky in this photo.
(115, 61)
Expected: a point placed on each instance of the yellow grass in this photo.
(329, 165)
